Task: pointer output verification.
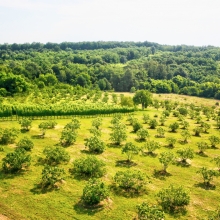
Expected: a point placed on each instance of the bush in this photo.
(97, 123)
(173, 198)
(118, 133)
(56, 155)
(16, 161)
(89, 166)
(149, 212)
(174, 126)
(202, 147)
(130, 180)
(26, 144)
(208, 175)
(94, 192)
(171, 141)
(95, 144)
(51, 175)
(151, 146)
(165, 159)
(8, 135)
(68, 137)
(185, 153)
(153, 123)
(25, 124)
(136, 126)
(130, 150)
(142, 134)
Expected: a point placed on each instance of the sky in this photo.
(171, 22)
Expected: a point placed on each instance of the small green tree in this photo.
(118, 133)
(205, 127)
(95, 144)
(142, 134)
(197, 131)
(56, 155)
(185, 124)
(51, 175)
(16, 161)
(186, 135)
(216, 160)
(160, 133)
(26, 144)
(97, 122)
(174, 126)
(8, 135)
(94, 192)
(162, 120)
(136, 125)
(166, 158)
(151, 146)
(89, 166)
(145, 211)
(131, 180)
(207, 175)
(145, 118)
(214, 140)
(202, 147)
(185, 154)
(95, 131)
(130, 150)
(153, 123)
(73, 125)
(116, 119)
(25, 124)
(173, 198)
(171, 141)
(43, 126)
(68, 137)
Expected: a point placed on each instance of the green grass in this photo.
(22, 199)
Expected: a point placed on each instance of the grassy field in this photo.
(21, 197)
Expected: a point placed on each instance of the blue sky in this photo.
(173, 22)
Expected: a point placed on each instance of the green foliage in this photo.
(136, 125)
(130, 150)
(214, 140)
(145, 118)
(43, 126)
(197, 131)
(186, 135)
(185, 153)
(160, 133)
(173, 198)
(8, 135)
(208, 175)
(95, 131)
(68, 137)
(89, 166)
(171, 141)
(26, 144)
(94, 192)
(25, 124)
(118, 133)
(151, 146)
(174, 126)
(142, 97)
(131, 180)
(16, 161)
(202, 147)
(97, 123)
(73, 125)
(56, 155)
(95, 144)
(142, 134)
(51, 175)
(145, 211)
(116, 119)
(216, 160)
(214, 215)
(166, 158)
(153, 123)
(183, 111)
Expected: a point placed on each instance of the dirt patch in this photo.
(3, 217)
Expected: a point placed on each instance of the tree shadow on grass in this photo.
(125, 163)
(182, 163)
(161, 174)
(150, 154)
(131, 193)
(140, 140)
(4, 175)
(24, 131)
(81, 208)
(37, 136)
(38, 189)
(113, 145)
(177, 212)
(169, 146)
(205, 186)
(201, 154)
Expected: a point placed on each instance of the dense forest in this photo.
(118, 66)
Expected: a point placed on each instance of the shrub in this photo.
(207, 175)
(16, 161)
(165, 159)
(25, 124)
(186, 135)
(51, 175)
(97, 122)
(153, 123)
(151, 146)
(95, 144)
(185, 153)
(216, 160)
(130, 180)
(171, 141)
(56, 155)
(142, 134)
(118, 133)
(89, 166)
(202, 147)
(130, 150)
(174, 126)
(68, 137)
(8, 135)
(160, 133)
(173, 198)
(214, 140)
(26, 144)
(149, 212)
(197, 131)
(145, 118)
(94, 192)
(136, 126)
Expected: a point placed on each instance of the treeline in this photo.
(119, 66)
